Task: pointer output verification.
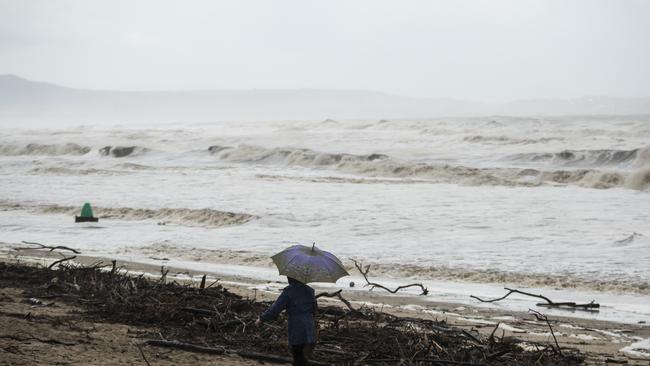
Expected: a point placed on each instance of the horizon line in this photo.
(456, 99)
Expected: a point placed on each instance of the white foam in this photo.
(640, 349)
(510, 328)
(584, 337)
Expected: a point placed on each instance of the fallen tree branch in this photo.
(186, 346)
(61, 261)
(541, 316)
(549, 303)
(51, 248)
(222, 318)
(338, 295)
(203, 312)
(373, 285)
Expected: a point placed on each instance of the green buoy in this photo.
(86, 214)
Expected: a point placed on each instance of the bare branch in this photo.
(142, 353)
(186, 346)
(51, 248)
(549, 303)
(540, 316)
(338, 295)
(364, 272)
(61, 261)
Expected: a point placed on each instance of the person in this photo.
(299, 301)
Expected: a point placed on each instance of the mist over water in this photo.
(534, 201)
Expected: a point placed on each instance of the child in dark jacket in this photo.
(299, 301)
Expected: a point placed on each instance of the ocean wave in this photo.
(71, 171)
(333, 179)
(179, 216)
(410, 272)
(122, 151)
(635, 157)
(44, 149)
(628, 240)
(507, 140)
(383, 166)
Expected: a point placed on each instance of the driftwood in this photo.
(592, 306)
(215, 316)
(364, 272)
(338, 295)
(51, 248)
(186, 346)
(61, 261)
(202, 312)
(541, 316)
(163, 274)
(142, 354)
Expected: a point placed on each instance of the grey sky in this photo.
(485, 50)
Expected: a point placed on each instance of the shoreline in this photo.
(598, 339)
(616, 306)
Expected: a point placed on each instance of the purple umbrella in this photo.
(307, 264)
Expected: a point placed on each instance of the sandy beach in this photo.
(600, 342)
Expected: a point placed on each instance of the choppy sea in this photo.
(550, 203)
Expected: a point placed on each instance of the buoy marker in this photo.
(86, 214)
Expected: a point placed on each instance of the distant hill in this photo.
(24, 101)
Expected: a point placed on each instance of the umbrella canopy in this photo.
(307, 264)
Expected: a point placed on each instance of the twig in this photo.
(142, 353)
(61, 261)
(491, 337)
(163, 274)
(589, 306)
(539, 315)
(364, 273)
(203, 312)
(51, 248)
(338, 295)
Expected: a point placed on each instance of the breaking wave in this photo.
(44, 149)
(179, 216)
(383, 166)
(122, 151)
(71, 171)
(506, 140)
(634, 157)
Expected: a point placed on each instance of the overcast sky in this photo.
(489, 50)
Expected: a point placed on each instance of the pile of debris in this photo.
(209, 318)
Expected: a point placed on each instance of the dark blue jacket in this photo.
(299, 301)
